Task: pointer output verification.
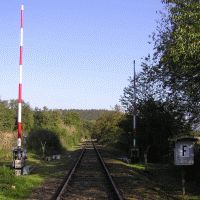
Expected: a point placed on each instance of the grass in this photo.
(5, 155)
(16, 188)
(157, 181)
(168, 179)
(137, 166)
(19, 187)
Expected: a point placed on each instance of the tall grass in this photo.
(5, 154)
(13, 187)
(7, 142)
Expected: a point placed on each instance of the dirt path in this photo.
(56, 176)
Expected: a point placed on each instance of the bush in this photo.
(48, 139)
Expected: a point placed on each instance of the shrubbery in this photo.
(106, 128)
(44, 141)
(55, 131)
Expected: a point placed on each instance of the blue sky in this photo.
(77, 54)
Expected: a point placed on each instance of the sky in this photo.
(77, 54)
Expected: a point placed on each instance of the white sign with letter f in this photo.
(184, 153)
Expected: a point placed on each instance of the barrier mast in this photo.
(19, 120)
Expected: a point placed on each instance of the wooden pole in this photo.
(183, 180)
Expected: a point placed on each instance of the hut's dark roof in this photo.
(186, 138)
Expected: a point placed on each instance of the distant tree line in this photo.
(89, 114)
(43, 118)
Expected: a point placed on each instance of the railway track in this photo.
(88, 179)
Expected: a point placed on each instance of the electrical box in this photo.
(19, 157)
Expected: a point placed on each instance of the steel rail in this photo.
(69, 176)
(117, 193)
(62, 188)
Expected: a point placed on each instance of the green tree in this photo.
(107, 128)
(27, 114)
(156, 124)
(7, 117)
(176, 57)
(158, 117)
(27, 117)
(41, 118)
(72, 118)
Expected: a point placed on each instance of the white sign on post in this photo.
(184, 153)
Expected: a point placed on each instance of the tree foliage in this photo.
(156, 124)
(88, 114)
(176, 57)
(44, 125)
(28, 118)
(72, 118)
(7, 117)
(106, 128)
(167, 88)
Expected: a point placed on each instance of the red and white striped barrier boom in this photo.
(19, 125)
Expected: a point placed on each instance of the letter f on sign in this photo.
(184, 150)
